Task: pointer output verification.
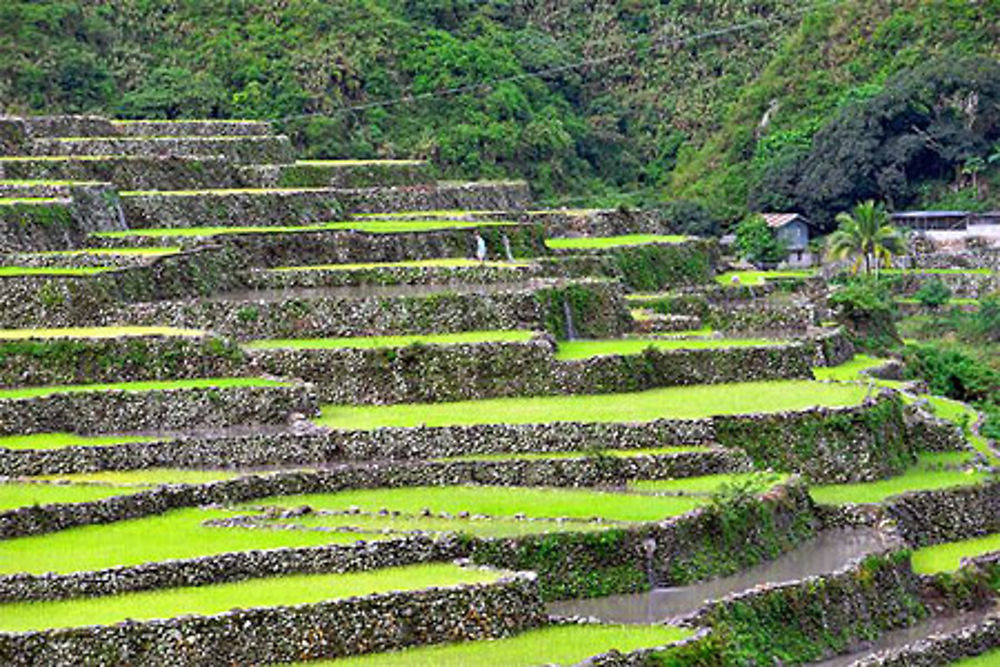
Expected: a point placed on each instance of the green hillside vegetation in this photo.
(710, 102)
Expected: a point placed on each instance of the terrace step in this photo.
(54, 223)
(647, 322)
(416, 272)
(599, 222)
(275, 617)
(239, 149)
(88, 257)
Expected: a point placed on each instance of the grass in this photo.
(554, 645)
(218, 598)
(446, 262)
(369, 342)
(142, 477)
(704, 485)
(498, 501)
(19, 271)
(612, 241)
(583, 349)
(665, 403)
(370, 227)
(157, 385)
(760, 277)
(537, 456)
(923, 476)
(18, 494)
(61, 440)
(948, 557)
(95, 332)
(176, 534)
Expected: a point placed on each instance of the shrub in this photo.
(933, 294)
(757, 243)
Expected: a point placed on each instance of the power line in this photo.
(457, 90)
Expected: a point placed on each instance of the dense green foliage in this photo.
(756, 242)
(704, 101)
(864, 305)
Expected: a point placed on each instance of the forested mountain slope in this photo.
(716, 101)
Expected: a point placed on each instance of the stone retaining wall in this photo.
(346, 174)
(190, 128)
(947, 515)
(109, 411)
(608, 222)
(962, 285)
(444, 196)
(136, 172)
(232, 208)
(258, 636)
(61, 224)
(61, 361)
(239, 149)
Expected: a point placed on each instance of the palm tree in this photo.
(866, 232)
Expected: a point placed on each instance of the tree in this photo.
(933, 294)
(865, 232)
(756, 242)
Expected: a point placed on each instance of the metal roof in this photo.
(775, 220)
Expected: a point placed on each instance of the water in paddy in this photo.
(935, 625)
(364, 291)
(827, 552)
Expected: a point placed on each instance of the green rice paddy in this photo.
(370, 342)
(152, 251)
(176, 534)
(218, 598)
(157, 385)
(96, 332)
(11, 201)
(61, 440)
(582, 243)
(368, 227)
(142, 477)
(452, 213)
(849, 371)
(704, 485)
(498, 501)
(583, 349)
(447, 262)
(947, 557)
(688, 402)
(22, 271)
(554, 645)
(18, 494)
(760, 277)
(924, 476)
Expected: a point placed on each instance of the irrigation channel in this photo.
(825, 553)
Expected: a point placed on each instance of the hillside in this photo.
(691, 100)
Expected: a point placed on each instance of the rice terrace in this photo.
(370, 333)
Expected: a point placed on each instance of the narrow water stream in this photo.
(827, 552)
(898, 638)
